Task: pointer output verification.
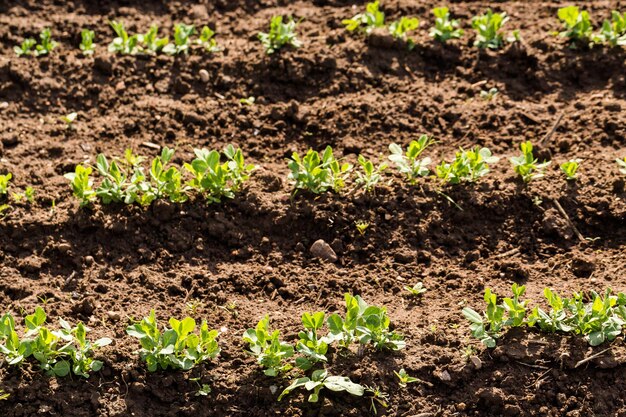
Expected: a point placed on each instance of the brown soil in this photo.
(107, 265)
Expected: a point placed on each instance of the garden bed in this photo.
(243, 258)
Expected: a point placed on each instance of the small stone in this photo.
(273, 389)
(321, 249)
(64, 247)
(4, 105)
(612, 106)
(120, 86)
(204, 75)
(445, 376)
(476, 362)
(113, 315)
(89, 260)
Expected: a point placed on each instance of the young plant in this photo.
(86, 44)
(270, 351)
(318, 174)
(399, 29)
(25, 48)
(151, 42)
(445, 28)
(4, 183)
(217, 180)
(361, 226)
(570, 169)
(123, 43)
(165, 181)
(526, 166)
(177, 347)
(621, 163)
(69, 119)
(410, 164)
(46, 44)
(182, 33)
(28, 195)
(364, 323)
(369, 178)
(488, 29)
(488, 327)
(280, 34)
(416, 290)
(311, 345)
(319, 380)
(82, 184)
(366, 22)
(467, 166)
(404, 378)
(58, 352)
(613, 32)
(207, 40)
(577, 24)
(490, 94)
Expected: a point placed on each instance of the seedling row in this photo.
(577, 28)
(182, 344)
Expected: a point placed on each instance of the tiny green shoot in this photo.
(87, 46)
(445, 28)
(570, 169)
(366, 22)
(281, 33)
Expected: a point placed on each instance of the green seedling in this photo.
(4, 395)
(203, 389)
(266, 346)
(399, 29)
(488, 327)
(410, 164)
(82, 184)
(217, 180)
(621, 163)
(490, 94)
(311, 346)
(182, 33)
(247, 101)
(46, 44)
(177, 347)
(416, 290)
(488, 29)
(318, 174)
(165, 182)
(526, 166)
(123, 43)
(69, 119)
(467, 166)
(361, 226)
(25, 48)
(377, 396)
(613, 32)
(86, 42)
(365, 324)
(151, 42)
(207, 40)
(366, 22)
(445, 28)
(280, 34)
(59, 352)
(4, 183)
(28, 195)
(371, 175)
(404, 378)
(570, 169)
(319, 380)
(577, 24)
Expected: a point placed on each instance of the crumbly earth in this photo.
(109, 265)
